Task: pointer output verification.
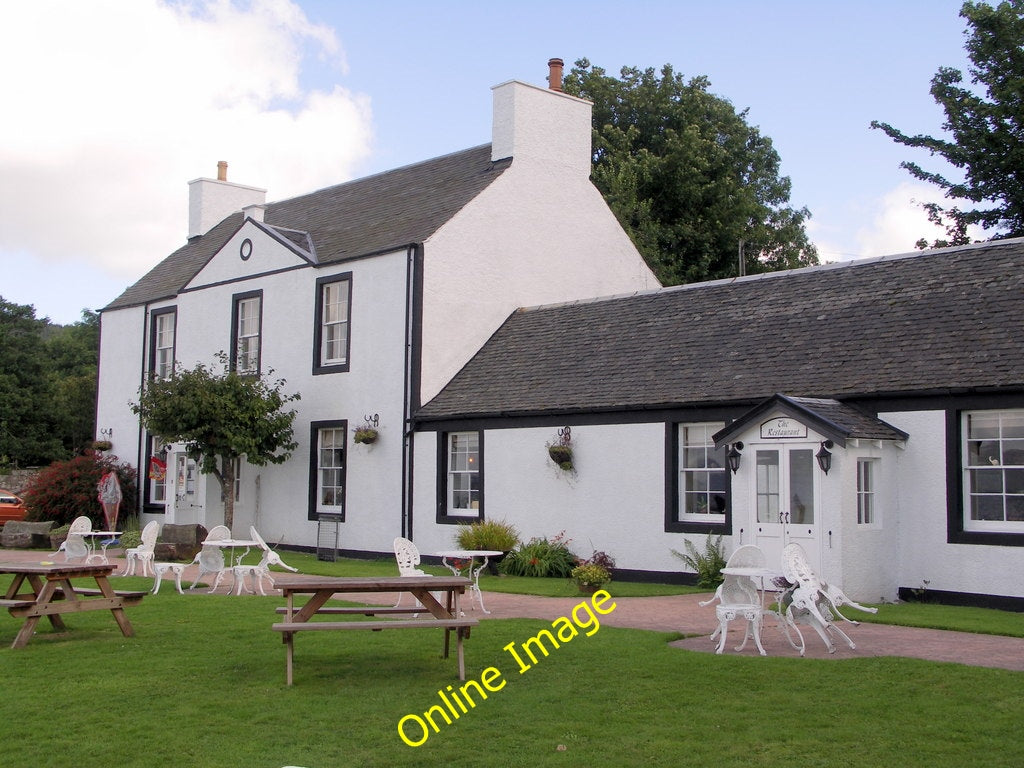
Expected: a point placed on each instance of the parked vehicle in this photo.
(11, 506)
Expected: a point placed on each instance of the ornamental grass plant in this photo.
(202, 684)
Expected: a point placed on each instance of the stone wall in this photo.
(15, 480)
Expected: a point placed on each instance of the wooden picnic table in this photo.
(444, 615)
(52, 591)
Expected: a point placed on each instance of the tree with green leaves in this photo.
(27, 435)
(985, 127)
(219, 418)
(691, 182)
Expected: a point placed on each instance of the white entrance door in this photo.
(785, 500)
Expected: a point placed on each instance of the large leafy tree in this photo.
(27, 434)
(985, 130)
(47, 385)
(220, 417)
(691, 182)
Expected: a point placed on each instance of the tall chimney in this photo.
(210, 201)
(222, 170)
(555, 74)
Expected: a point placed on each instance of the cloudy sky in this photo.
(112, 106)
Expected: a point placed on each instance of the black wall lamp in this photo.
(733, 456)
(824, 456)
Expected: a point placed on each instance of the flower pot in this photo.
(365, 436)
(588, 589)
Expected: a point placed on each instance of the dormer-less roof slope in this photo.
(363, 217)
(942, 321)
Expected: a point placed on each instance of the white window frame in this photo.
(337, 451)
(248, 329)
(334, 322)
(706, 479)
(163, 344)
(992, 462)
(867, 491)
(463, 480)
(157, 488)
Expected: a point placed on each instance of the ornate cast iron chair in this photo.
(144, 552)
(739, 598)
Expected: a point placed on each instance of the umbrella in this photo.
(110, 498)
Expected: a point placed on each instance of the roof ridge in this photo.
(778, 274)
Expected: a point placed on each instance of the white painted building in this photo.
(874, 409)
(366, 298)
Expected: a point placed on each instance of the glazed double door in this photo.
(785, 500)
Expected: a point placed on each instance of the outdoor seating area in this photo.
(792, 595)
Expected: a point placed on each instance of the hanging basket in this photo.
(365, 435)
(561, 455)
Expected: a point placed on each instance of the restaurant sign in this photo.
(782, 428)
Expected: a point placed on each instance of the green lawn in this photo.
(202, 684)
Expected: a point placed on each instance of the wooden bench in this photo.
(360, 611)
(288, 629)
(16, 603)
(127, 594)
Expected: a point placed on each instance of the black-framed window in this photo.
(697, 482)
(332, 324)
(246, 332)
(993, 470)
(328, 457)
(162, 330)
(460, 481)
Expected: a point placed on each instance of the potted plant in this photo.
(560, 451)
(590, 577)
(493, 535)
(366, 435)
(102, 445)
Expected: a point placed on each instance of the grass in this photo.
(202, 684)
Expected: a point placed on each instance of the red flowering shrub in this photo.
(67, 489)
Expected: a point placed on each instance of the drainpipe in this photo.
(410, 394)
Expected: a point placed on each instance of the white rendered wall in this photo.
(531, 238)
(925, 555)
(614, 501)
(277, 502)
(120, 375)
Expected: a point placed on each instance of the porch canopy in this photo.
(834, 420)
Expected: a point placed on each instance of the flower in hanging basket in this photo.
(365, 435)
(102, 445)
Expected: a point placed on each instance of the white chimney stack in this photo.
(211, 200)
(542, 124)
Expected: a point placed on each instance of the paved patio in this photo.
(681, 613)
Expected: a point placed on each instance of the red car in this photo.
(11, 507)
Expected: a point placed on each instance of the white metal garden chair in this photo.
(407, 555)
(211, 558)
(261, 570)
(142, 554)
(812, 601)
(739, 598)
(74, 546)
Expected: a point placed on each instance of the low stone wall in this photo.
(19, 534)
(179, 542)
(16, 480)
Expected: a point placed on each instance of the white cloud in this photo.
(113, 105)
(890, 223)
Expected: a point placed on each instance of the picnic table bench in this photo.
(425, 589)
(52, 592)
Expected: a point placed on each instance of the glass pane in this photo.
(986, 480)
(983, 426)
(1015, 508)
(767, 473)
(987, 508)
(695, 457)
(801, 486)
(1013, 425)
(1013, 453)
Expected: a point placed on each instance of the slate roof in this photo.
(934, 322)
(372, 215)
(835, 420)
